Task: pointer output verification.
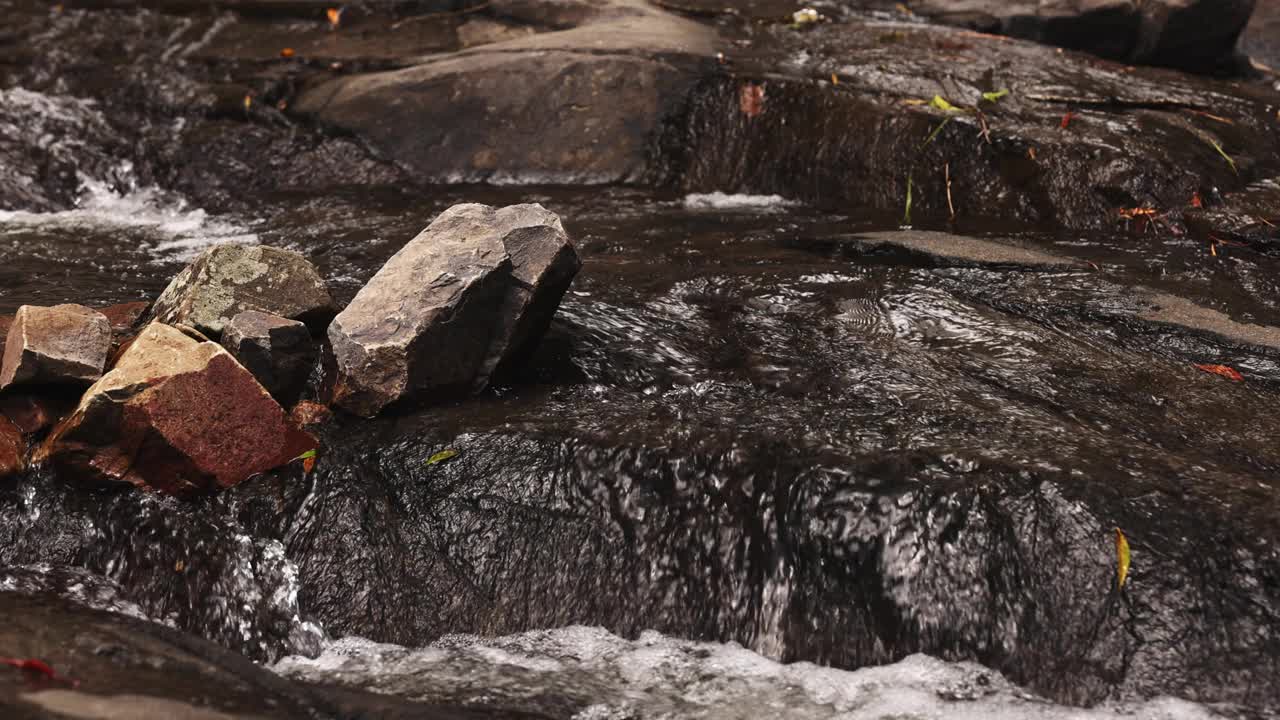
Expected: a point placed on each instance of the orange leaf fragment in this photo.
(309, 464)
(1196, 201)
(1066, 119)
(335, 17)
(286, 52)
(751, 99)
(1229, 373)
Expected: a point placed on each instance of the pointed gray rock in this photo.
(466, 298)
(423, 324)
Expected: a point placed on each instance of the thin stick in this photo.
(952, 208)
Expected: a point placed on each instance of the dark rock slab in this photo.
(951, 249)
(278, 352)
(424, 323)
(592, 96)
(52, 345)
(176, 415)
(229, 279)
(1187, 34)
(117, 666)
(38, 409)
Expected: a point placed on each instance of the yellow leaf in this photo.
(994, 96)
(248, 102)
(942, 104)
(1122, 559)
(441, 456)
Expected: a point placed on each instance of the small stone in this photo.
(176, 415)
(13, 449)
(278, 352)
(53, 345)
(229, 279)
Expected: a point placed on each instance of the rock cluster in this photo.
(462, 303)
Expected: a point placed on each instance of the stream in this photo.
(774, 458)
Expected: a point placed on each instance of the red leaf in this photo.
(1066, 119)
(1227, 372)
(31, 665)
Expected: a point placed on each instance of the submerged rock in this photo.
(469, 293)
(51, 345)
(277, 351)
(229, 279)
(177, 415)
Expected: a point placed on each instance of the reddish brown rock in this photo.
(59, 344)
(13, 449)
(177, 415)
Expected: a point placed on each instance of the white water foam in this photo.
(658, 677)
(174, 230)
(725, 201)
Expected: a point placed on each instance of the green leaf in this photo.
(441, 456)
(994, 96)
(934, 134)
(306, 455)
(1225, 156)
(941, 103)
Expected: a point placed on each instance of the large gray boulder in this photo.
(229, 279)
(469, 294)
(51, 345)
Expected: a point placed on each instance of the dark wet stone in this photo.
(175, 415)
(278, 352)
(55, 345)
(229, 279)
(113, 666)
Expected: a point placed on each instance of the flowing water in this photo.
(747, 440)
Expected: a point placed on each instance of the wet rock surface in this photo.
(230, 279)
(55, 345)
(176, 415)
